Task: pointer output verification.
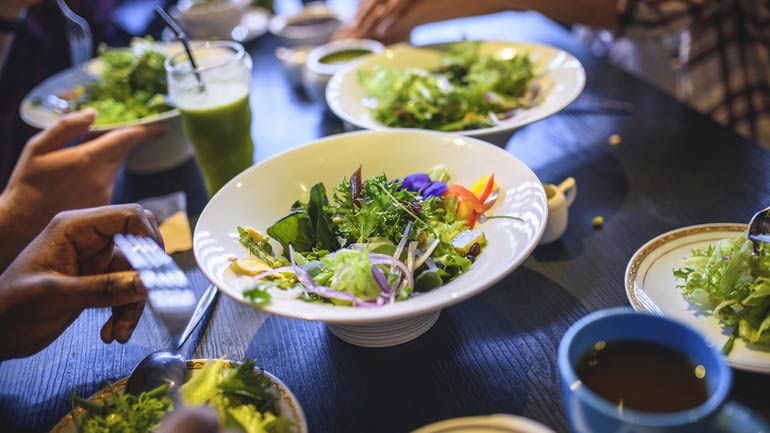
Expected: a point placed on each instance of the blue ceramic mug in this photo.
(588, 412)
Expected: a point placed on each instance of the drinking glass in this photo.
(214, 104)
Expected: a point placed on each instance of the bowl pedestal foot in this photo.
(384, 334)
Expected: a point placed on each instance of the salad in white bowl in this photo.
(375, 242)
(291, 237)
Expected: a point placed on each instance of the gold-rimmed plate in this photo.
(501, 423)
(288, 403)
(651, 287)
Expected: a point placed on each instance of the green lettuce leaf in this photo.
(731, 282)
(294, 229)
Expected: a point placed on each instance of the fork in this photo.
(647, 303)
(759, 227)
(78, 35)
(168, 290)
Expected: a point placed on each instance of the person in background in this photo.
(711, 54)
(34, 46)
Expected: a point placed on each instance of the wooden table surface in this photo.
(495, 353)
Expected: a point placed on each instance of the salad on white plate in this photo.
(483, 89)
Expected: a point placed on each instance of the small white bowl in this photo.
(316, 74)
(211, 19)
(263, 193)
(313, 25)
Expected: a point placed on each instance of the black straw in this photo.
(183, 39)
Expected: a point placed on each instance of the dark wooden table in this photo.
(495, 353)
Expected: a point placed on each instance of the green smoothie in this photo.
(221, 136)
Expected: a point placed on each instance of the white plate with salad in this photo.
(478, 89)
(428, 221)
(707, 277)
(126, 86)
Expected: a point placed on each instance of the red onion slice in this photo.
(431, 265)
(402, 242)
(382, 280)
(427, 254)
(382, 259)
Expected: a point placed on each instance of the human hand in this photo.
(50, 178)
(370, 15)
(393, 20)
(73, 265)
(200, 419)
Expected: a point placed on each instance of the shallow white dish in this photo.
(253, 24)
(205, 19)
(264, 193)
(288, 403)
(157, 154)
(313, 25)
(651, 286)
(36, 112)
(561, 75)
(486, 424)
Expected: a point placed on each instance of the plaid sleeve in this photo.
(656, 17)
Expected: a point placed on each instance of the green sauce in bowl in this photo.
(343, 56)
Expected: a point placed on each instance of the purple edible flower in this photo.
(416, 182)
(435, 189)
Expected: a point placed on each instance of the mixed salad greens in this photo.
(242, 397)
(132, 85)
(469, 90)
(734, 284)
(376, 242)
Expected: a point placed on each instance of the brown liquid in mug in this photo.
(643, 376)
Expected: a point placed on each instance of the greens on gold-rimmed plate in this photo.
(500, 423)
(652, 286)
(285, 401)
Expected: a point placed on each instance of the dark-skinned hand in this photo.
(73, 265)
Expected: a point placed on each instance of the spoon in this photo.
(164, 367)
(169, 367)
(759, 227)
